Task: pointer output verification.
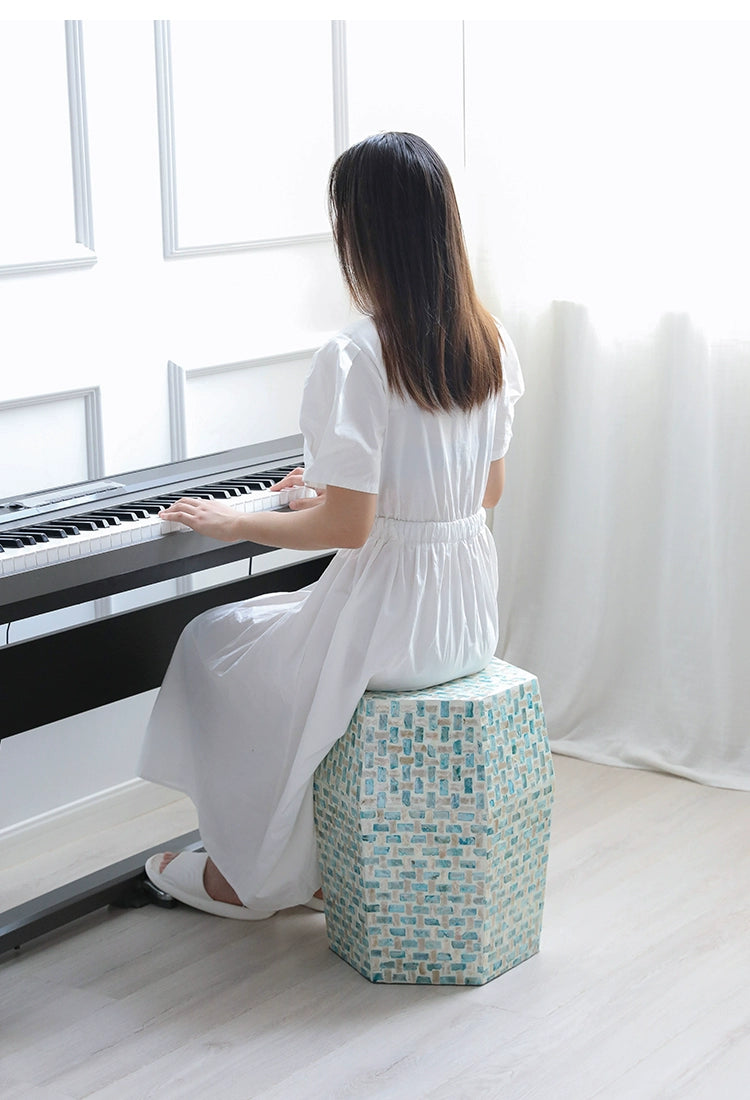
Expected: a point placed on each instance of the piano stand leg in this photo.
(118, 885)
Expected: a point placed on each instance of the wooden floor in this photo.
(641, 989)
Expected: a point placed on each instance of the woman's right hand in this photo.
(294, 480)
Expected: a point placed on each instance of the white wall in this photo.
(256, 114)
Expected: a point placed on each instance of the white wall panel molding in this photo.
(165, 115)
(226, 405)
(92, 400)
(340, 82)
(48, 255)
(177, 378)
(84, 218)
(65, 431)
(330, 126)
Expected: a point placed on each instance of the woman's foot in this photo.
(316, 902)
(214, 883)
(218, 889)
(185, 877)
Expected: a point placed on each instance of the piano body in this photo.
(69, 546)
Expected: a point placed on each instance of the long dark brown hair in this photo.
(401, 249)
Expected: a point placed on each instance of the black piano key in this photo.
(151, 507)
(170, 498)
(190, 492)
(217, 492)
(94, 521)
(107, 518)
(257, 483)
(279, 472)
(13, 542)
(248, 479)
(117, 515)
(238, 487)
(128, 512)
(59, 530)
(83, 523)
(29, 535)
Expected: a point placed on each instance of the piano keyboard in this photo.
(43, 541)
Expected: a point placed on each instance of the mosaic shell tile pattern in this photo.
(432, 815)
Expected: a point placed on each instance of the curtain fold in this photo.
(623, 540)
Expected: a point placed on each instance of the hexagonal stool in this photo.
(432, 815)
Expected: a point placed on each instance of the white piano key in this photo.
(169, 528)
(23, 558)
(14, 559)
(142, 530)
(100, 540)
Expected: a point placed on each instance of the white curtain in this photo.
(609, 192)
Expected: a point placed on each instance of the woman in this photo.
(406, 416)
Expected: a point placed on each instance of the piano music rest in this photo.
(106, 659)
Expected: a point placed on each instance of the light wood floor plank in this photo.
(708, 1060)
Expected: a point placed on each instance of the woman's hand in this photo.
(338, 519)
(207, 517)
(296, 479)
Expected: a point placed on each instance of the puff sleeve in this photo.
(513, 388)
(343, 418)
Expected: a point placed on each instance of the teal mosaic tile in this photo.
(434, 860)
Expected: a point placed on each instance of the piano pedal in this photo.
(142, 892)
(157, 896)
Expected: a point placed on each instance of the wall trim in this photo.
(84, 218)
(75, 820)
(168, 160)
(340, 86)
(165, 117)
(178, 378)
(92, 400)
(82, 250)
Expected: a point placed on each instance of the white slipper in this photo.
(182, 879)
(318, 904)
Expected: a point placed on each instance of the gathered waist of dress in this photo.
(409, 530)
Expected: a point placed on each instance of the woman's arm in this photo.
(335, 519)
(495, 483)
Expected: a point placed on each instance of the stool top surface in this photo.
(497, 677)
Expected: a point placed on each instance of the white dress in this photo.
(257, 692)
